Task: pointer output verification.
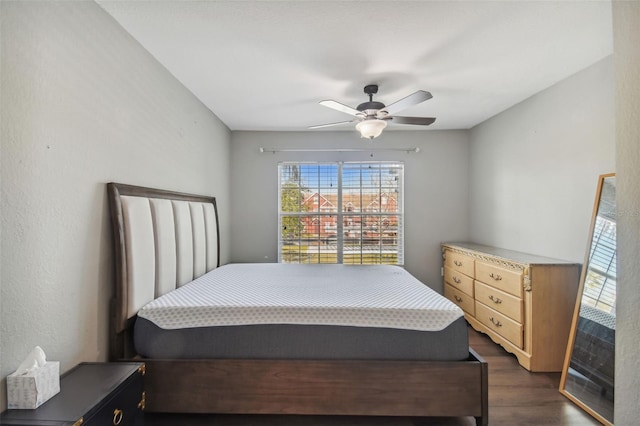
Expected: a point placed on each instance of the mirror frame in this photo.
(576, 312)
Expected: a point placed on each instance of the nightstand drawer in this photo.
(502, 302)
(123, 407)
(91, 394)
(459, 262)
(459, 298)
(500, 278)
(458, 280)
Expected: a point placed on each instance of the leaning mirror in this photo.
(588, 373)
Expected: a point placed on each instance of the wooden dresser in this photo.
(523, 302)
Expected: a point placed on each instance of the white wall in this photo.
(626, 34)
(84, 104)
(436, 194)
(534, 167)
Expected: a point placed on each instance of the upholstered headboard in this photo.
(163, 240)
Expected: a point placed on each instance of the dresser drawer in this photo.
(503, 279)
(501, 324)
(502, 302)
(459, 298)
(458, 280)
(459, 262)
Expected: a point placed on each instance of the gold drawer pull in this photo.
(458, 298)
(143, 401)
(496, 277)
(495, 300)
(496, 323)
(457, 263)
(457, 280)
(117, 416)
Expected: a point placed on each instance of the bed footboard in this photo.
(331, 387)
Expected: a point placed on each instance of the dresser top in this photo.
(514, 256)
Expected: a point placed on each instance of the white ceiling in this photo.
(265, 65)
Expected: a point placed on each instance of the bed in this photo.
(356, 355)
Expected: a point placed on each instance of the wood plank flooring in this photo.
(516, 397)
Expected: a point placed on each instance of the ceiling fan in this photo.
(372, 116)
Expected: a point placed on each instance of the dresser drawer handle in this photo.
(495, 300)
(458, 298)
(117, 416)
(496, 277)
(496, 323)
(457, 263)
(143, 401)
(457, 280)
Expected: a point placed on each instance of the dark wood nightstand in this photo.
(91, 394)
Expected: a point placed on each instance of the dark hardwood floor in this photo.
(516, 397)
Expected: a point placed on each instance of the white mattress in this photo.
(269, 293)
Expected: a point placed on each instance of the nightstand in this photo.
(91, 394)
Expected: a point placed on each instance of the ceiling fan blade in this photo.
(412, 99)
(421, 121)
(340, 107)
(330, 124)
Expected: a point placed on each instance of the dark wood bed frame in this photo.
(271, 386)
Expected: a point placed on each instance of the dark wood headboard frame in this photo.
(121, 334)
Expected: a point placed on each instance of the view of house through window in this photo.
(341, 213)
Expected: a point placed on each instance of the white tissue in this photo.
(32, 362)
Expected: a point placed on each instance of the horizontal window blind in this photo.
(349, 212)
(600, 281)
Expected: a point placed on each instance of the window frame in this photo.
(342, 214)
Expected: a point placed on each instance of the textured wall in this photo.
(83, 104)
(626, 33)
(535, 166)
(435, 201)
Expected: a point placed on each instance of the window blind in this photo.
(341, 212)
(600, 281)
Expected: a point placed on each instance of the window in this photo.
(600, 282)
(341, 213)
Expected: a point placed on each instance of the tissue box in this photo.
(33, 389)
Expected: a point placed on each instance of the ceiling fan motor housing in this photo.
(370, 105)
(370, 90)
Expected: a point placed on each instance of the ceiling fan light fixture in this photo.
(371, 128)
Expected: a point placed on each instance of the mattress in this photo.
(596, 315)
(303, 311)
